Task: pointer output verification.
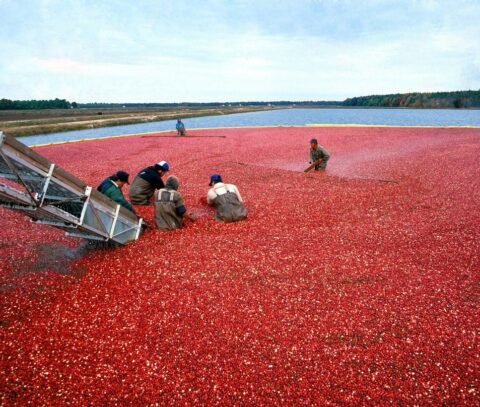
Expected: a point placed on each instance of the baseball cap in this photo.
(162, 165)
(314, 140)
(123, 176)
(215, 178)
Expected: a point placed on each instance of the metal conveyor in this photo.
(51, 196)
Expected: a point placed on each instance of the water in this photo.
(284, 117)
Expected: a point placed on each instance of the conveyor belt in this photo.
(50, 195)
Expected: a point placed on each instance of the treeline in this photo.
(6, 104)
(208, 104)
(459, 99)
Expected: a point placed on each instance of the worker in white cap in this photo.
(146, 182)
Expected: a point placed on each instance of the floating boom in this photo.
(51, 196)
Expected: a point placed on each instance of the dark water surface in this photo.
(284, 117)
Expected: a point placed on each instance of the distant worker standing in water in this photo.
(146, 182)
(227, 200)
(318, 155)
(180, 128)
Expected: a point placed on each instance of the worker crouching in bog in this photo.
(227, 200)
(169, 206)
(146, 182)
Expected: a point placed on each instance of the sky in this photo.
(235, 50)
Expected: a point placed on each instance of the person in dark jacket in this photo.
(146, 182)
(112, 187)
(169, 206)
(318, 155)
(227, 200)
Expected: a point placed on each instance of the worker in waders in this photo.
(169, 206)
(227, 200)
(180, 128)
(146, 182)
(112, 187)
(318, 155)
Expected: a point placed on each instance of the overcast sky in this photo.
(234, 50)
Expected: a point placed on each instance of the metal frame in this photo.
(47, 183)
(51, 196)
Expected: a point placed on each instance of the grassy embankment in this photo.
(31, 122)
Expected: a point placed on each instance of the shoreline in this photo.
(313, 125)
(26, 123)
(35, 122)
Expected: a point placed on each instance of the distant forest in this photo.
(6, 104)
(458, 100)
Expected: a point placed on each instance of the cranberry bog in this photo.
(359, 285)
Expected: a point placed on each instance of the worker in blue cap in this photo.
(112, 187)
(146, 182)
(227, 200)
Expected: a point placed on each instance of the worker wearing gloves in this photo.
(227, 200)
(146, 182)
(169, 206)
(318, 155)
(112, 187)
